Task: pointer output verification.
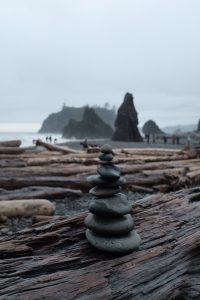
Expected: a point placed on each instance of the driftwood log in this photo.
(54, 261)
(26, 208)
(12, 143)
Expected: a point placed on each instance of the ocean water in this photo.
(28, 137)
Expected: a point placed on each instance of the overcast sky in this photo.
(94, 51)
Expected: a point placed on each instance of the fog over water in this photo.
(92, 52)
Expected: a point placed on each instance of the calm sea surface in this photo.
(28, 137)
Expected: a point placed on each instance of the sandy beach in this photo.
(118, 144)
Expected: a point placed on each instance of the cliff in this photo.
(92, 126)
(55, 122)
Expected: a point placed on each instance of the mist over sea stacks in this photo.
(151, 128)
(92, 126)
(126, 122)
(55, 122)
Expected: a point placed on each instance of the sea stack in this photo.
(110, 226)
(126, 122)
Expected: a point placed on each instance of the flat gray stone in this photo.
(104, 192)
(108, 172)
(98, 180)
(115, 244)
(106, 157)
(112, 226)
(117, 205)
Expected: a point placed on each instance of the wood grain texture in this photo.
(54, 261)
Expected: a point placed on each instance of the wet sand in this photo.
(121, 145)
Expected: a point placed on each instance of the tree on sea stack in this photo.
(126, 122)
(110, 226)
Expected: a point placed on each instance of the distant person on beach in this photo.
(188, 141)
(173, 139)
(154, 140)
(147, 138)
(178, 140)
(47, 138)
(55, 141)
(50, 139)
(84, 144)
(165, 140)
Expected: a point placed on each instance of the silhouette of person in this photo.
(147, 138)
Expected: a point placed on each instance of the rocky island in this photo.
(55, 122)
(92, 126)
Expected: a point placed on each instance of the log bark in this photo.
(38, 192)
(55, 261)
(11, 150)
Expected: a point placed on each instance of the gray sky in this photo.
(93, 51)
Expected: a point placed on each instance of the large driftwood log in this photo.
(11, 150)
(12, 143)
(55, 261)
(51, 147)
(38, 192)
(26, 208)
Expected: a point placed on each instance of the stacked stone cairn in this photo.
(110, 226)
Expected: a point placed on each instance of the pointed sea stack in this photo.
(126, 122)
(110, 226)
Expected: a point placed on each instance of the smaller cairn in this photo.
(110, 226)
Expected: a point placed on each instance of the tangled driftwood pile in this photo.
(53, 259)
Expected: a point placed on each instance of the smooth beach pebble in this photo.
(106, 149)
(104, 192)
(106, 157)
(109, 172)
(117, 205)
(111, 226)
(118, 244)
(98, 180)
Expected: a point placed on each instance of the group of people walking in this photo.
(153, 138)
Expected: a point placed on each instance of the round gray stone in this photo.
(117, 244)
(106, 149)
(104, 192)
(108, 172)
(112, 226)
(98, 180)
(117, 205)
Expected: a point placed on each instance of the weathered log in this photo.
(12, 163)
(12, 143)
(55, 261)
(79, 182)
(38, 192)
(26, 208)
(11, 150)
(52, 170)
(51, 147)
(45, 219)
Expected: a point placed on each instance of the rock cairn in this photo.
(110, 226)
